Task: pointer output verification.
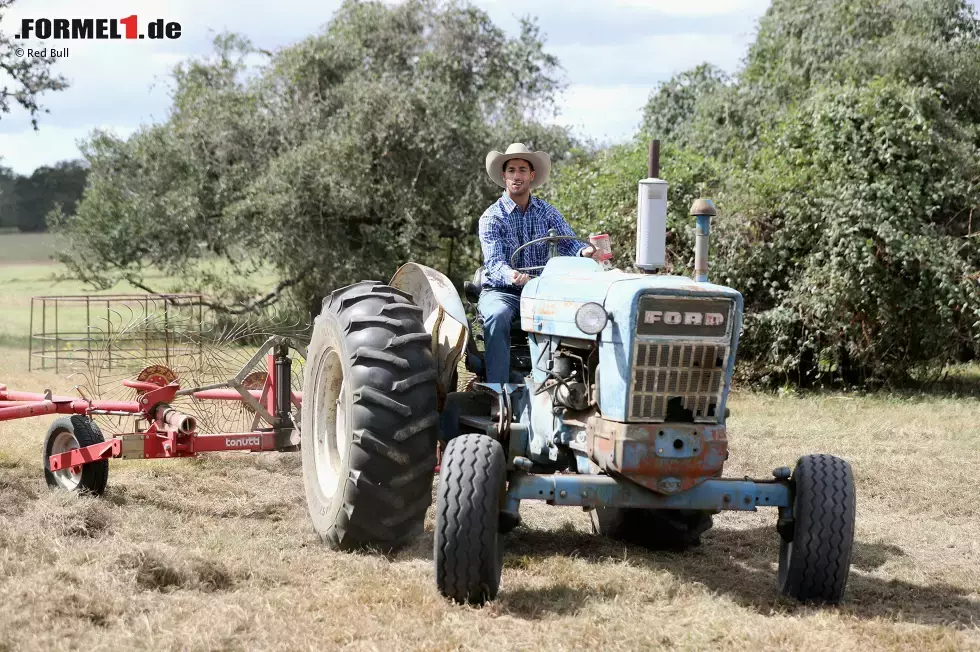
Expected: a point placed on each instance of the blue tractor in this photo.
(617, 405)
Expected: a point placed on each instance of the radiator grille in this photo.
(681, 379)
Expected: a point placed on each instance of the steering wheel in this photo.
(554, 239)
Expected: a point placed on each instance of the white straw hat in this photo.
(540, 161)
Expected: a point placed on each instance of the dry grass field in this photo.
(217, 553)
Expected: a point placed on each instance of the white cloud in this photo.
(606, 113)
(649, 60)
(30, 149)
(698, 7)
(612, 83)
(613, 52)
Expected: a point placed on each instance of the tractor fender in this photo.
(443, 316)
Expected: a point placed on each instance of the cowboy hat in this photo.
(538, 160)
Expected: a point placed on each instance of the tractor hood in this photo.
(549, 302)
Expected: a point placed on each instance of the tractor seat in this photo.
(472, 290)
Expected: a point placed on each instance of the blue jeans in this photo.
(498, 309)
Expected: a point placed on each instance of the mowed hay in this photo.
(218, 553)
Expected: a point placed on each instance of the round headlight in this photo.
(591, 318)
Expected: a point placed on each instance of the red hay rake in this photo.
(169, 432)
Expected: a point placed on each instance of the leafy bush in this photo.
(844, 162)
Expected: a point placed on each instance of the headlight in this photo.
(591, 318)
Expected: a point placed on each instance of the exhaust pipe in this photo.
(651, 215)
(702, 210)
(651, 222)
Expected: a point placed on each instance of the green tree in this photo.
(27, 77)
(331, 160)
(26, 201)
(48, 188)
(844, 160)
(8, 198)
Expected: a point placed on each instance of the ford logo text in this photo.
(676, 318)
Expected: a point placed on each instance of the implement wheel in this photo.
(815, 554)
(369, 420)
(468, 550)
(656, 529)
(69, 433)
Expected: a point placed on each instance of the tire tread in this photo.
(824, 510)
(467, 547)
(394, 422)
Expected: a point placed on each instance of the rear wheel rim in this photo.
(329, 422)
(70, 477)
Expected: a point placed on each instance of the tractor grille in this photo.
(677, 381)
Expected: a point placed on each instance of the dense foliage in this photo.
(844, 160)
(26, 200)
(329, 161)
(25, 79)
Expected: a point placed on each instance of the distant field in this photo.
(27, 270)
(17, 248)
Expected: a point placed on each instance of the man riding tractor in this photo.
(620, 408)
(515, 219)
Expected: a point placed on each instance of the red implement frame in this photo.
(172, 433)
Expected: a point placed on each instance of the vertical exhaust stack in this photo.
(651, 215)
(702, 210)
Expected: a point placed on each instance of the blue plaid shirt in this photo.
(504, 227)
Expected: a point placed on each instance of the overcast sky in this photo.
(613, 51)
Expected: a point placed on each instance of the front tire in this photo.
(68, 433)
(468, 551)
(814, 564)
(369, 420)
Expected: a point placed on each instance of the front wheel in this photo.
(468, 550)
(69, 433)
(815, 554)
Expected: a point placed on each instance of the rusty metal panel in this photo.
(665, 458)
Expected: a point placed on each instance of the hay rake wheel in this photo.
(205, 355)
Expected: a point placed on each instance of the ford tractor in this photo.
(617, 405)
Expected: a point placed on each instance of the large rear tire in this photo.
(815, 562)
(468, 550)
(369, 420)
(656, 529)
(67, 433)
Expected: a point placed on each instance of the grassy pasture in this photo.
(27, 270)
(217, 553)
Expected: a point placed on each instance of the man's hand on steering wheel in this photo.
(520, 272)
(519, 278)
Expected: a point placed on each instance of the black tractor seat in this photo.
(520, 354)
(473, 289)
